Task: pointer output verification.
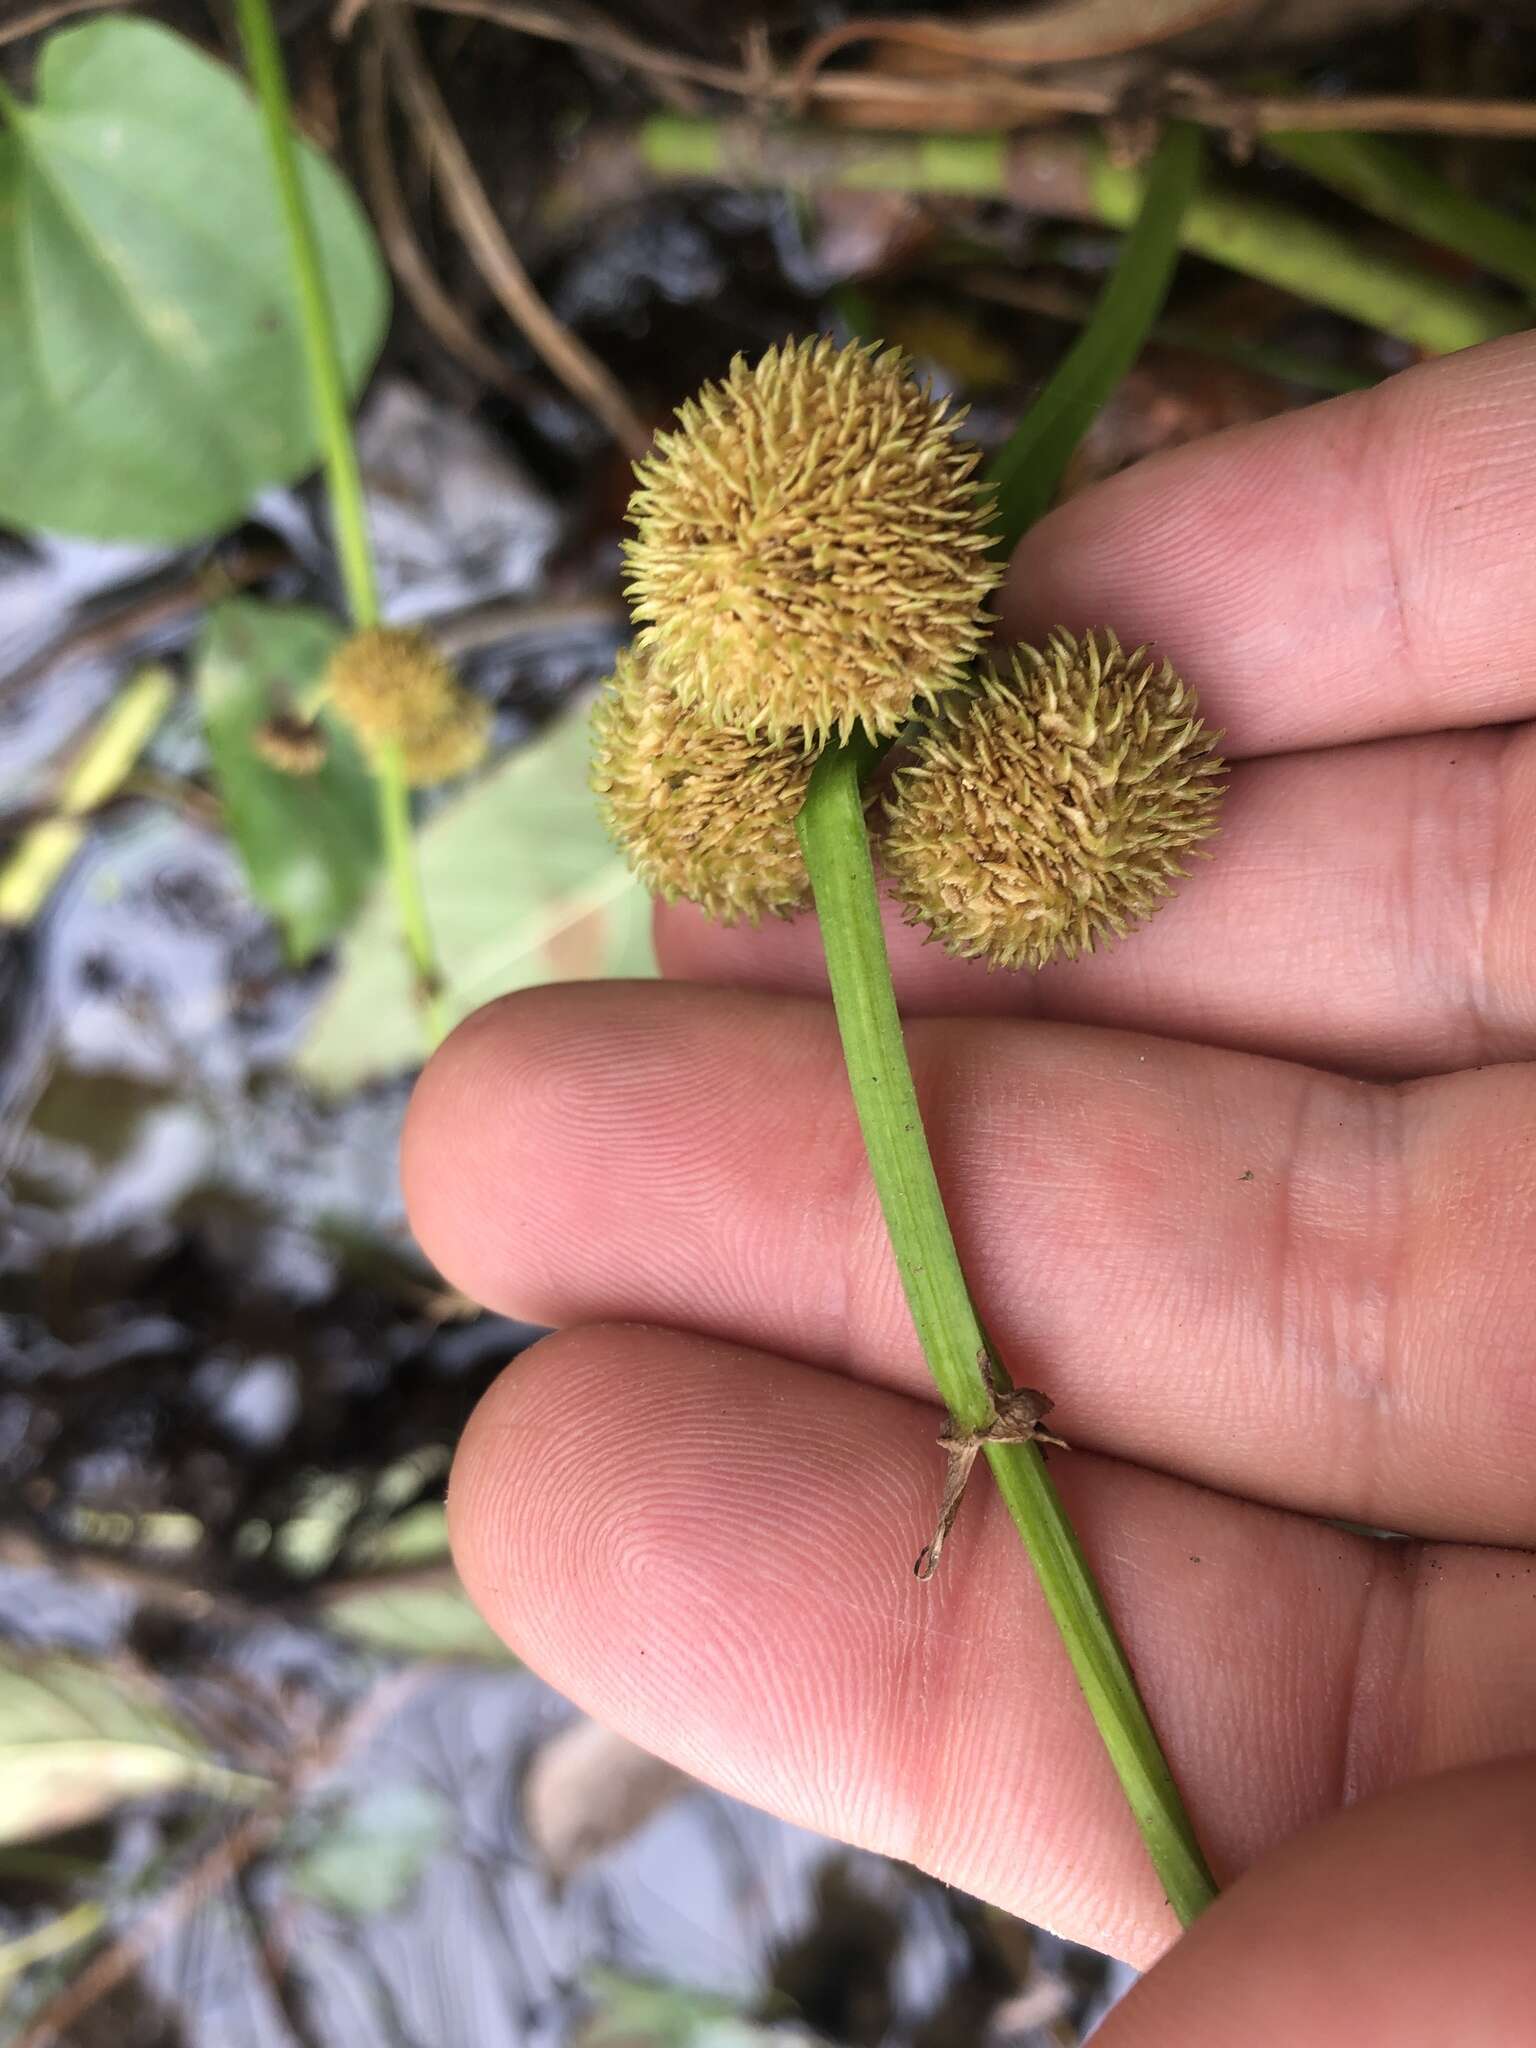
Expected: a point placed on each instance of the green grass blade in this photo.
(1395, 185)
(1028, 469)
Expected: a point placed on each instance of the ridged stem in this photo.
(328, 394)
(835, 838)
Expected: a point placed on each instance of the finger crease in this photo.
(1382, 1697)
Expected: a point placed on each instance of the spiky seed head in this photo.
(700, 812)
(810, 551)
(395, 689)
(1052, 807)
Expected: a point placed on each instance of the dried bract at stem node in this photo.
(292, 745)
(811, 548)
(1051, 808)
(702, 813)
(395, 690)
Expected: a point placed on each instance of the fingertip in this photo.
(1402, 1919)
(466, 1097)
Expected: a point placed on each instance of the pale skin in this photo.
(1252, 1197)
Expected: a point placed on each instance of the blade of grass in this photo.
(1028, 468)
(1398, 186)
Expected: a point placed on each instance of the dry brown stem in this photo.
(571, 361)
(41, 18)
(407, 259)
(876, 98)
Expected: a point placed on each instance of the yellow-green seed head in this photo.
(810, 552)
(1050, 809)
(700, 812)
(395, 689)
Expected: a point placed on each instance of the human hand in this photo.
(1267, 1271)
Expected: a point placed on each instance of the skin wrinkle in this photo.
(1458, 970)
(1375, 490)
(1486, 890)
(1382, 1697)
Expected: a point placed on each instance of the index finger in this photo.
(1352, 571)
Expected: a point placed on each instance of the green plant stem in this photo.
(836, 843)
(1028, 468)
(328, 392)
(1398, 186)
(1069, 173)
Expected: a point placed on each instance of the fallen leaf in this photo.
(587, 1789)
(522, 887)
(372, 1852)
(432, 1618)
(78, 1738)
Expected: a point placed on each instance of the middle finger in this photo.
(1313, 1290)
(1368, 909)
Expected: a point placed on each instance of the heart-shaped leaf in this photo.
(154, 375)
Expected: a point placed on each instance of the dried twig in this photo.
(562, 27)
(1004, 99)
(237, 570)
(213, 1870)
(574, 364)
(41, 18)
(407, 258)
(1054, 35)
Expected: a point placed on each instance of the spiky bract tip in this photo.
(811, 548)
(701, 813)
(1050, 809)
(395, 690)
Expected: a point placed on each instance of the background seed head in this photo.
(393, 687)
(701, 813)
(811, 547)
(1051, 808)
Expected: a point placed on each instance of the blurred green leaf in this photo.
(639, 2012)
(432, 1619)
(522, 886)
(154, 377)
(310, 843)
(52, 1938)
(78, 1738)
(372, 1852)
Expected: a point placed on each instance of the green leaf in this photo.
(78, 1738)
(374, 1850)
(522, 886)
(639, 2012)
(154, 375)
(423, 1618)
(53, 1938)
(310, 843)
(1028, 468)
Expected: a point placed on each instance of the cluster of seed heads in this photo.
(812, 558)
